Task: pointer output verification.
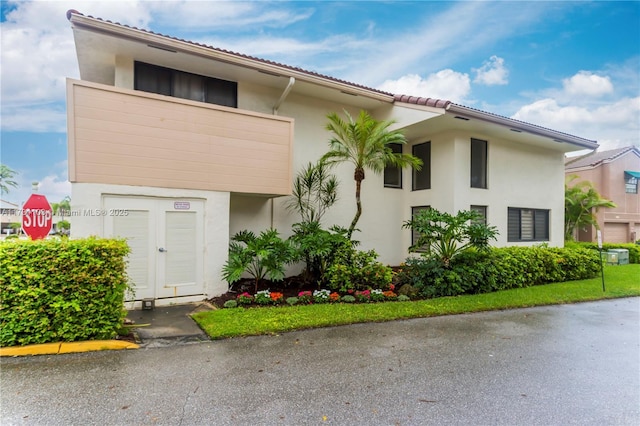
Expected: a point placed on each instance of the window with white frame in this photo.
(631, 182)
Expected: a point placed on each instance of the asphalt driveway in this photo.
(557, 365)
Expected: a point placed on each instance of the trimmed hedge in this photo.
(61, 290)
(634, 249)
(498, 269)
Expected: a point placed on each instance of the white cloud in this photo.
(585, 83)
(492, 72)
(612, 124)
(445, 84)
(54, 186)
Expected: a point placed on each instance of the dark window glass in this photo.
(166, 81)
(422, 177)
(393, 174)
(222, 92)
(478, 163)
(415, 235)
(188, 86)
(150, 78)
(528, 225)
(482, 211)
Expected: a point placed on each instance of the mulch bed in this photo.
(289, 287)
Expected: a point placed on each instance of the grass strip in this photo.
(621, 281)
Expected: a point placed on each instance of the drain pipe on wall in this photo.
(284, 95)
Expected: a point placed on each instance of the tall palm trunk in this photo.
(359, 177)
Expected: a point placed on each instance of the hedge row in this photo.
(498, 269)
(634, 249)
(61, 290)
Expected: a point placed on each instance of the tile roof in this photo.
(229, 52)
(416, 100)
(596, 158)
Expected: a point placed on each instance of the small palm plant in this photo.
(365, 143)
(265, 255)
(444, 236)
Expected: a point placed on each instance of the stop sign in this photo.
(37, 217)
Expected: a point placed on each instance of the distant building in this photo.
(614, 174)
(9, 213)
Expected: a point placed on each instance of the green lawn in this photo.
(620, 281)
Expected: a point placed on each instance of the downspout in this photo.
(284, 95)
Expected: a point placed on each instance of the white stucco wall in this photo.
(86, 197)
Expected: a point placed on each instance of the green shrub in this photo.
(230, 304)
(61, 290)
(347, 298)
(634, 249)
(403, 298)
(357, 270)
(291, 301)
(497, 269)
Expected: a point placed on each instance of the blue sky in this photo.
(569, 66)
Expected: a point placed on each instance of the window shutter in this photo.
(513, 226)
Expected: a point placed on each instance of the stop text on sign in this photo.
(36, 217)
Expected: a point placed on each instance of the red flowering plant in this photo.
(363, 296)
(305, 297)
(244, 299)
(334, 297)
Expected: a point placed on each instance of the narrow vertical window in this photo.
(631, 182)
(482, 213)
(422, 177)
(415, 210)
(478, 163)
(393, 174)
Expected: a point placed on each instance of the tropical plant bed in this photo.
(621, 281)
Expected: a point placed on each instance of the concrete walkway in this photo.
(556, 365)
(168, 325)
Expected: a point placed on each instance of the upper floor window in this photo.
(422, 177)
(527, 224)
(180, 84)
(631, 182)
(393, 174)
(478, 163)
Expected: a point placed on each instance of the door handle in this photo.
(162, 250)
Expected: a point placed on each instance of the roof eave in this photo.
(156, 40)
(520, 126)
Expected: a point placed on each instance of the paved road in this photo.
(559, 365)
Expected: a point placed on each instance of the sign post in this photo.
(37, 217)
(599, 234)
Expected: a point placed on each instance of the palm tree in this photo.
(6, 179)
(581, 202)
(364, 142)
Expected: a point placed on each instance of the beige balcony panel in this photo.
(126, 137)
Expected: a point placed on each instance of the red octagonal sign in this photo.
(37, 217)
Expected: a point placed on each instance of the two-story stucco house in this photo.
(614, 174)
(177, 146)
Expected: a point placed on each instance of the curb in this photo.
(67, 347)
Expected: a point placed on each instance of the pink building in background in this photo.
(614, 174)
